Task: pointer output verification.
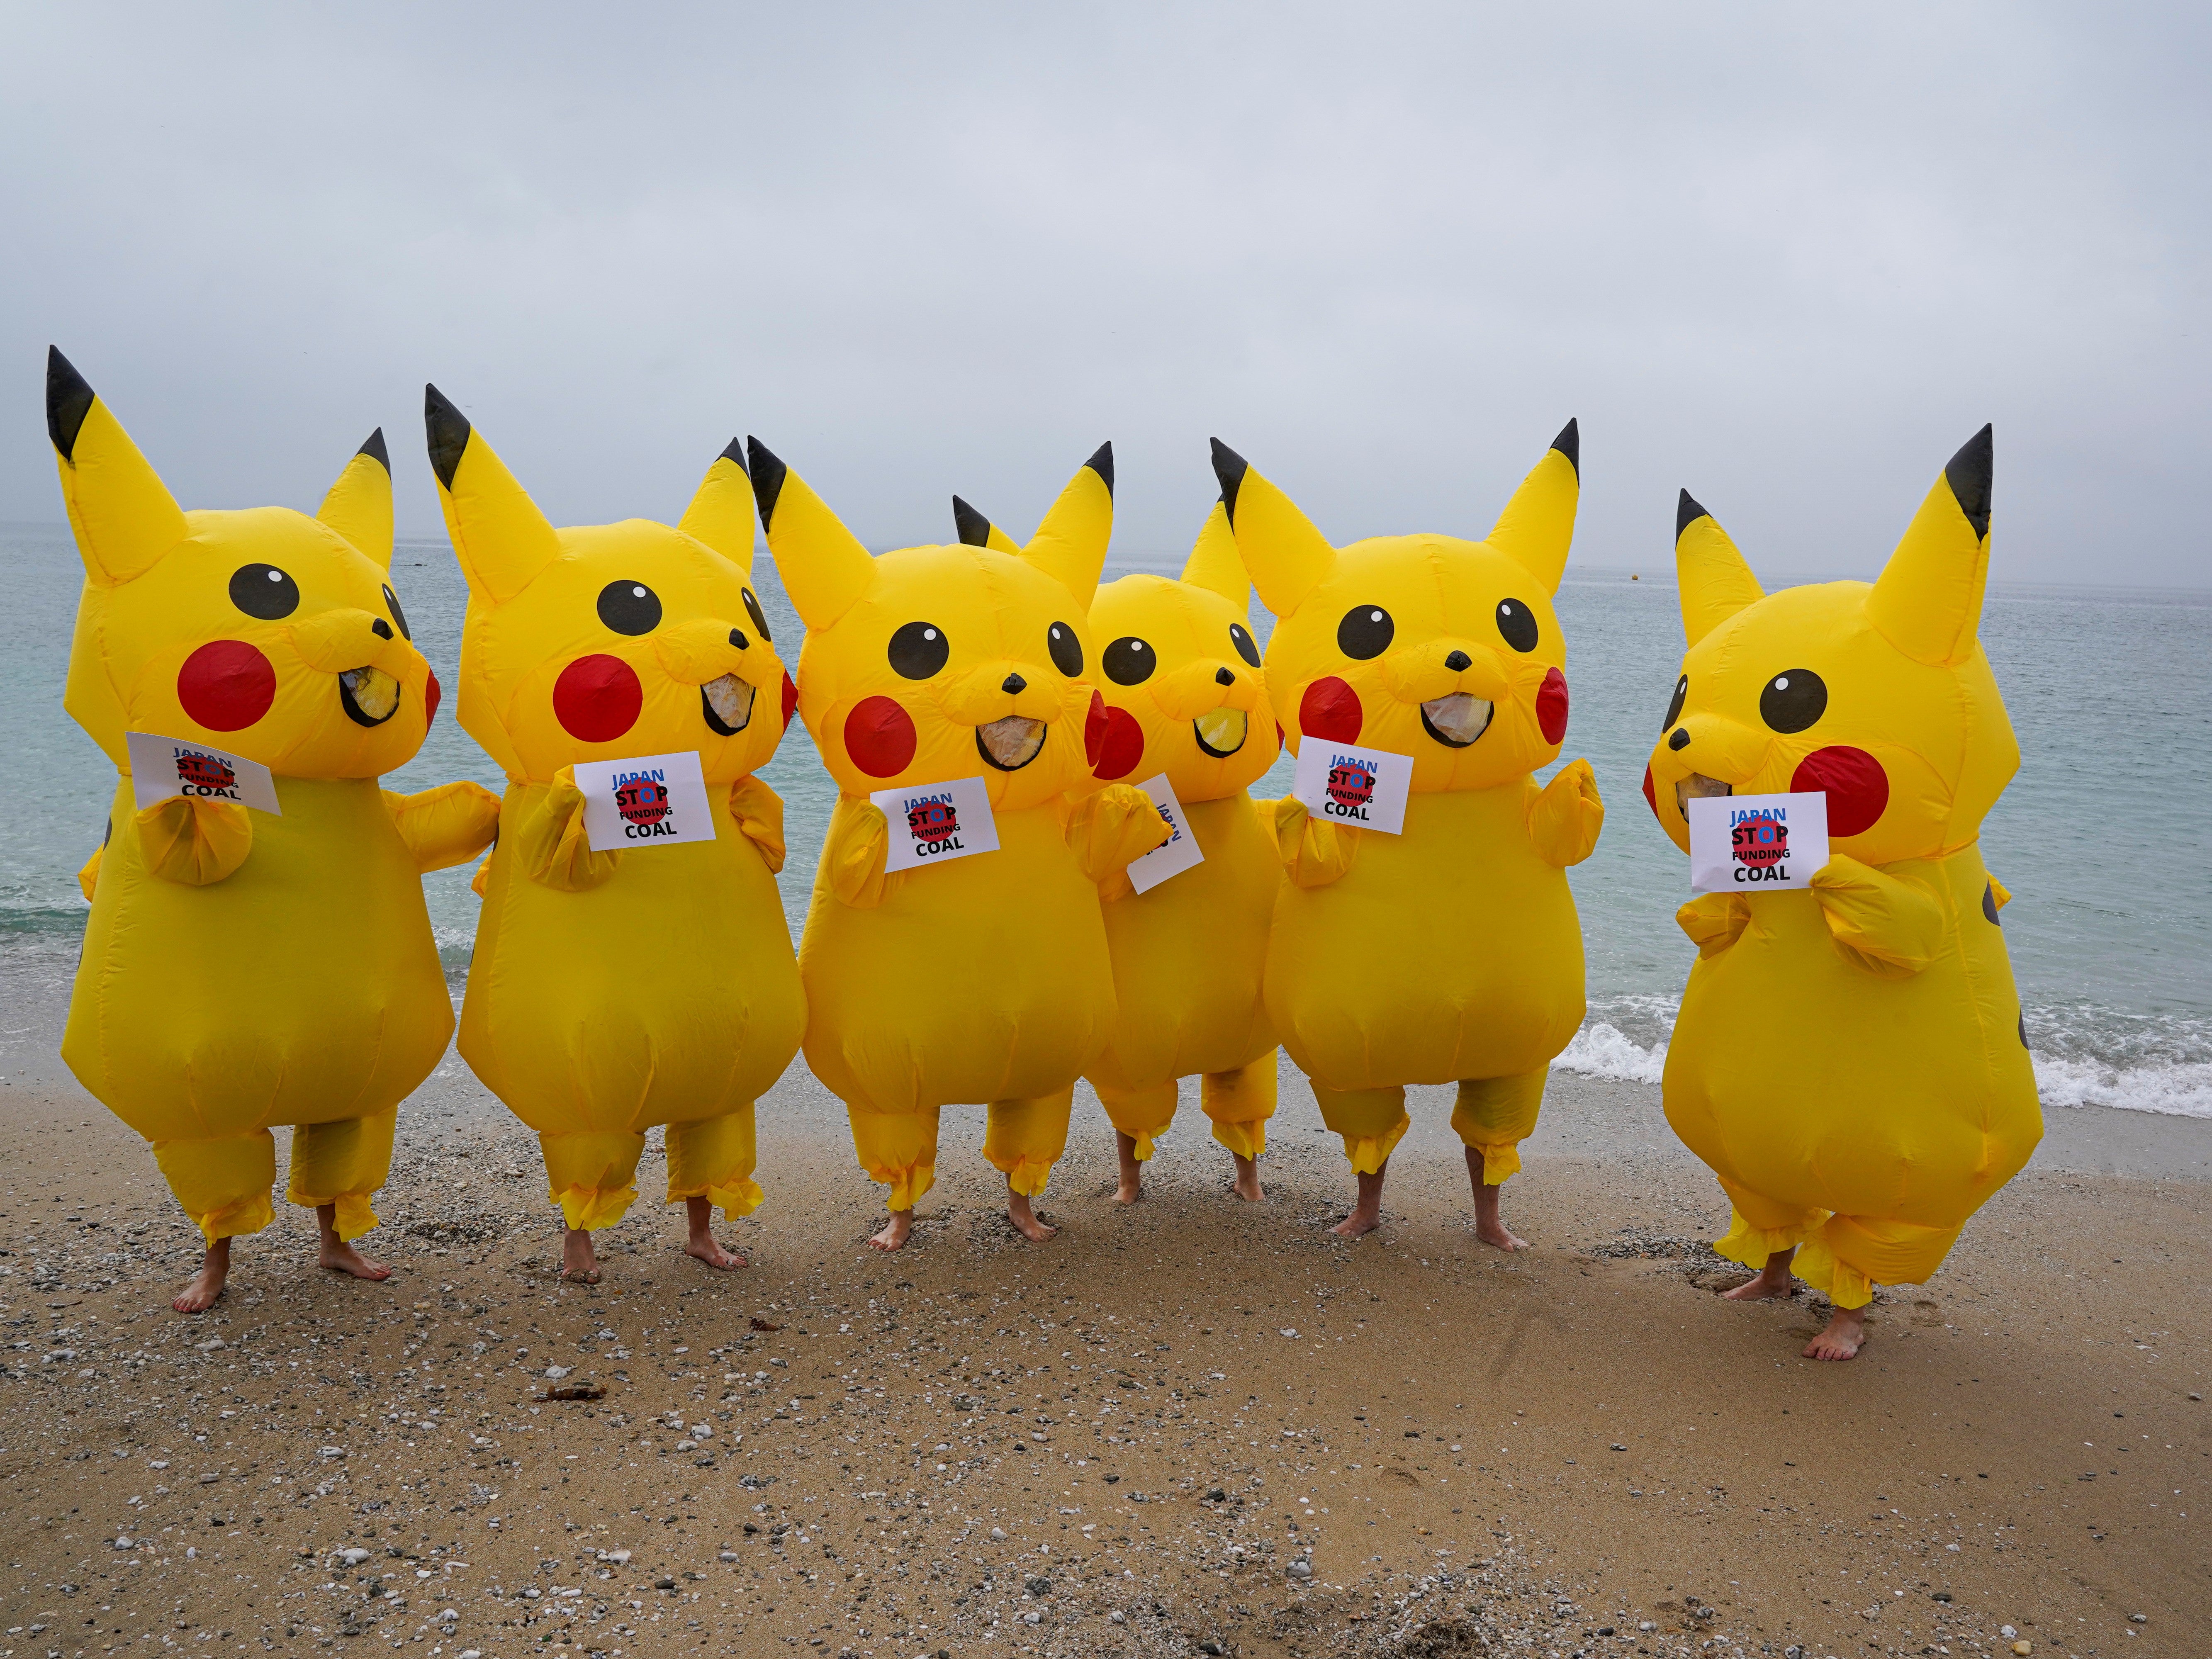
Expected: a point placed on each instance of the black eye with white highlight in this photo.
(1065, 649)
(629, 607)
(1674, 704)
(1365, 632)
(1128, 660)
(918, 650)
(1793, 701)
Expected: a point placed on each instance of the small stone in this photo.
(1117, 1617)
(556, 1372)
(123, 1543)
(618, 1558)
(2007, 1631)
(727, 1555)
(353, 1557)
(1300, 1569)
(2138, 1619)
(2023, 1648)
(1000, 1534)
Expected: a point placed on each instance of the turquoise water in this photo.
(2103, 838)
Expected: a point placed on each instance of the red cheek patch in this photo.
(790, 701)
(432, 695)
(1650, 795)
(1093, 730)
(226, 685)
(1552, 707)
(1122, 747)
(597, 699)
(1858, 787)
(879, 736)
(1330, 710)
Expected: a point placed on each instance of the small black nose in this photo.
(1680, 738)
(737, 638)
(1224, 677)
(1013, 685)
(381, 628)
(1459, 662)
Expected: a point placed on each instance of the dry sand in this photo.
(1195, 1426)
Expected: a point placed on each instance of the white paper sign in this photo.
(932, 823)
(1346, 784)
(650, 800)
(1757, 843)
(1178, 852)
(161, 768)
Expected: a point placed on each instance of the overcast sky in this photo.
(1787, 256)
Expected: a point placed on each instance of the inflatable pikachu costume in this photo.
(246, 969)
(614, 991)
(1451, 952)
(1853, 1065)
(1184, 698)
(986, 978)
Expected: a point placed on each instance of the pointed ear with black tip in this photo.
(1538, 524)
(123, 515)
(1070, 543)
(499, 535)
(1715, 580)
(974, 530)
(359, 504)
(1286, 557)
(824, 567)
(721, 511)
(1214, 563)
(1928, 600)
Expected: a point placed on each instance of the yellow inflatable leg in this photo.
(898, 1148)
(1758, 1226)
(592, 1177)
(1372, 1122)
(343, 1164)
(222, 1184)
(1240, 1102)
(1495, 1115)
(1025, 1137)
(1851, 1255)
(714, 1159)
(1140, 1113)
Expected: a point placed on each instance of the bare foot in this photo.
(1773, 1282)
(1489, 1227)
(1367, 1214)
(339, 1256)
(1132, 1173)
(1024, 1218)
(578, 1265)
(205, 1286)
(894, 1231)
(1845, 1335)
(699, 1213)
(1247, 1184)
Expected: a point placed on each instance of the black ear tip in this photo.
(972, 527)
(1687, 513)
(1230, 468)
(734, 451)
(376, 452)
(1102, 463)
(767, 477)
(447, 429)
(1968, 473)
(1569, 443)
(69, 400)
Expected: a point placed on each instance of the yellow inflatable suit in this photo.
(984, 978)
(613, 990)
(1183, 698)
(1852, 1065)
(244, 968)
(1451, 952)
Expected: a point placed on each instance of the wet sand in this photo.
(1194, 1426)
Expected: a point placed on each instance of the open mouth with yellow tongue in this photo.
(1456, 721)
(1009, 745)
(1221, 732)
(728, 703)
(369, 696)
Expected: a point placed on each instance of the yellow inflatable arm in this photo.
(1110, 828)
(1314, 854)
(758, 810)
(445, 826)
(1888, 925)
(2000, 892)
(1566, 815)
(1714, 921)
(194, 842)
(854, 855)
(551, 844)
(87, 875)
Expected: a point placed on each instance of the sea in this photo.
(2104, 837)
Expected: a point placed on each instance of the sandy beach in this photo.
(1195, 1426)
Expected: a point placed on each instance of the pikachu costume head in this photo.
(262, 631)
(1179, 671)
(1429, 646)
(1879, 694)
(934, 663)
(601, 642)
